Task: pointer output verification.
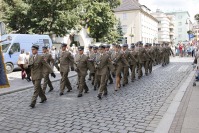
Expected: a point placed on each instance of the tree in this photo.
(112, 3)
(100, 19)
(119, 31)
(197, 17)
(42, 16)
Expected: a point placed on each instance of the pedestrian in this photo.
(27, 69)
(92, 60)
(66, 60)
(81, 67)
(101, 65)
(21, 63)
(117, 60)
(127, 56)
(133, 62)
(181, 50)
(49, 59)
(37, 63)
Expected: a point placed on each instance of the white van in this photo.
(16, 42)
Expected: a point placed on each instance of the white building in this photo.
(182, 25)
(137, 22)
(165, 26)
(196, 32)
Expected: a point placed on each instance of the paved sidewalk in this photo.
(186, 119)
(17, 84)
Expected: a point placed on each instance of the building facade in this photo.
(137, 22)
(196, 32)
(182, 25)
(165, 26)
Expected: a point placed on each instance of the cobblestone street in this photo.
(137, 107)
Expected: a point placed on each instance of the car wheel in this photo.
(9, 67)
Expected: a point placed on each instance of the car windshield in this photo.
(5, 47)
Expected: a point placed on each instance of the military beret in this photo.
(113, 44)
(63, 44)
(146, 45)
(133, 46)
(90, 47)
(102, 46)
(150, 44)
(108, 46)
(125, 45)
(45, 47)
(95, 47)
(35, 46)
(140, 43)
(80, 48)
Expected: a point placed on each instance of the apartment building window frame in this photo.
(180, 17)
(124, 28)
(179, 29)
(179, 35)
(180, 23)
(124, 16)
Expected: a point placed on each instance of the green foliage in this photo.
(100, 18)
(119, 29)
(60, 16)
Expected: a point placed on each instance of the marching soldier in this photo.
(81, 63)
(127, 57)
(142, 59)
(48, 58)
(101, 65)
(118, 62)
(66, 60)
(147, 59)
(90, 51)
(91, 64)
(37, 64)
(133, 62)
(169, 52)
(152, 60)
(108, 52)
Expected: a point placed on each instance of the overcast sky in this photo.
(185, 5)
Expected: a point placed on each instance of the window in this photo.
(159, 29)
(15, 48)
(124, 29)
(179, 36)
(124, 16)
(180, 23)
(179, 29)
(180, 17)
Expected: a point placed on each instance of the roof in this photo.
(127, 5)
(177, 12)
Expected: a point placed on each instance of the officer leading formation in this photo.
(104, 64)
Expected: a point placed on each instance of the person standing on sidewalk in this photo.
(48, 58)
(27, 69)
(21, 63)
(37, 63)
(66, 59)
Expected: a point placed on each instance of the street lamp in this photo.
(189, 31)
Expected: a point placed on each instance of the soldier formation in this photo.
(104, 63)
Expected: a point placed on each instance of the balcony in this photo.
(171, 33)
(171, 26)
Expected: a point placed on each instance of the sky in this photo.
(171, 5)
